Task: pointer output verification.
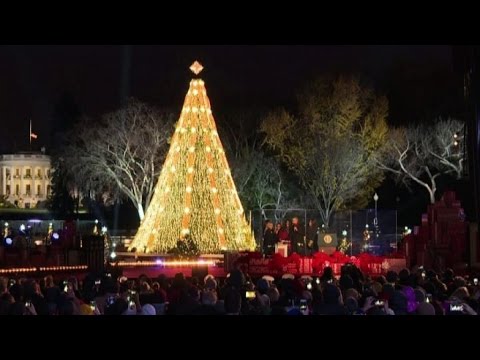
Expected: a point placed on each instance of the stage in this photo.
(255, 264)
(132, 265)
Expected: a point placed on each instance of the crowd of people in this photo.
(408, 292)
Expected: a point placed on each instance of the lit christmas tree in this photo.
(195, 197)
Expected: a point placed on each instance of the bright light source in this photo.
(113, 255)
(455, 136)
(6, 224)
(159, 261)
(344, 232)
(96, 221)
(55, 236)
(22, 227)
(104, 229)
(455, 143)
(8, 241)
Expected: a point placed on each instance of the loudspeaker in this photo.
(200, 272)
(94, 250)
(327, 240)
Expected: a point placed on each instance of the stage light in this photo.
(8, 241)
(104, 229)
(344, 232)
(6, 224)
(55, 236)
(113, 255)
(96, 221)
(22, 227)
(158, 262)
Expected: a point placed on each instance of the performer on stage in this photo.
(312, 237)
(269, 239)
(297, 237)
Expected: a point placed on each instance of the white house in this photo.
(25, 178)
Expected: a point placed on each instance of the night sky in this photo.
(99, 78)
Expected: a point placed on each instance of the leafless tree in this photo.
(337, 172)
(122, 155)
(421, 154)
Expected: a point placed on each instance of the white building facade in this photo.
(25, 178)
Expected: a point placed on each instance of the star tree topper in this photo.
(196, 68)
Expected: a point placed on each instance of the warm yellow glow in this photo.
(47, 268)
(167, 263)
(212, 217)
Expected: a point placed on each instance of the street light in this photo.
(375, 198)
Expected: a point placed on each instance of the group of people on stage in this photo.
(293, 234)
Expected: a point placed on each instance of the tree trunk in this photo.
(141, 213)
(432, 196)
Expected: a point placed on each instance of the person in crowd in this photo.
(232, 301)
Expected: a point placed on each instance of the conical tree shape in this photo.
(195, 194)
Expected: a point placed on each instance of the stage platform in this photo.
(132, 265)
(254, 264)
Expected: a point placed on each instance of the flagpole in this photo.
(30, 135)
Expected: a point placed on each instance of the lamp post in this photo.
(375, 221)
